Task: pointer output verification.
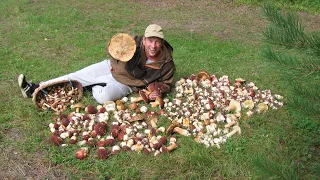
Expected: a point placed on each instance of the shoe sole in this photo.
(20, 81)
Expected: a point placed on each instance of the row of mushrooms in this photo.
(111, 128)
(204, 107)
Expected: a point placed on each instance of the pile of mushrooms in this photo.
(209, 108)
(57, 97)
(111, 128)
(204, 107)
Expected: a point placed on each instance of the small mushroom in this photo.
(203, 75)
(90, 109)
(143, 97)
(240, 80)
(137, 117)
(77, 107)
(133, 106)
(181, 131)
(172, 147)
(100, 128)
(103, 153)
(82, 153)
(236, 129)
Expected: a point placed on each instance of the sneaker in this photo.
(27, 88)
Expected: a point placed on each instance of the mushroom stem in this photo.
(236, 129)
(172, 146)
(181, 131)
(230, 124)
(48, 106)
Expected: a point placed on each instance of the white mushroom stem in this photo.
(181, 131)
(172, 146)
(236, 129)
(230, 124)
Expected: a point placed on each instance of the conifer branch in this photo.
(283, 30)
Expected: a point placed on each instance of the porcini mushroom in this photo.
(236, 129)
(82, 153)
(143, 97)
(77, 107)
(203, 75)
(158, 102)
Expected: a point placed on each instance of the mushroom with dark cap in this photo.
(158, 102)
(143, 96)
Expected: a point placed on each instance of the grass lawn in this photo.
(46, 39)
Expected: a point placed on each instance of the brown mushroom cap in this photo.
(160, 101)
(78, 105)
(91, 109)
(203, 75)
(144, 96)
(103, 153)
(137, 117)
(122, 47)
(100, 128)
(157, 94)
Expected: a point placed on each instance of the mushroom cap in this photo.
(91, 109)
(78, 105)
(144, 96)
(122, 47)
(100, 128)
(203, 75)
(137, 117)
(240, 80)
(103, 153)
(157, 94)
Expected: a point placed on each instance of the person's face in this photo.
(152, 46)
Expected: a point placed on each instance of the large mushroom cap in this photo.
(122, 47)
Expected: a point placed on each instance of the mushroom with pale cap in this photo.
(203, 75)
(77, 107)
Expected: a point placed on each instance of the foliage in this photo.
(301, 70)
(311, 6)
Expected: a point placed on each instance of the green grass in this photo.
(46, 39)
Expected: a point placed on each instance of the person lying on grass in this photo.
(112, 79)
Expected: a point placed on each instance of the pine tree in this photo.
(298, 52)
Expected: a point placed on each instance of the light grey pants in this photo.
(96, 74)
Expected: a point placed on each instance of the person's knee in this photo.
(102, 94)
